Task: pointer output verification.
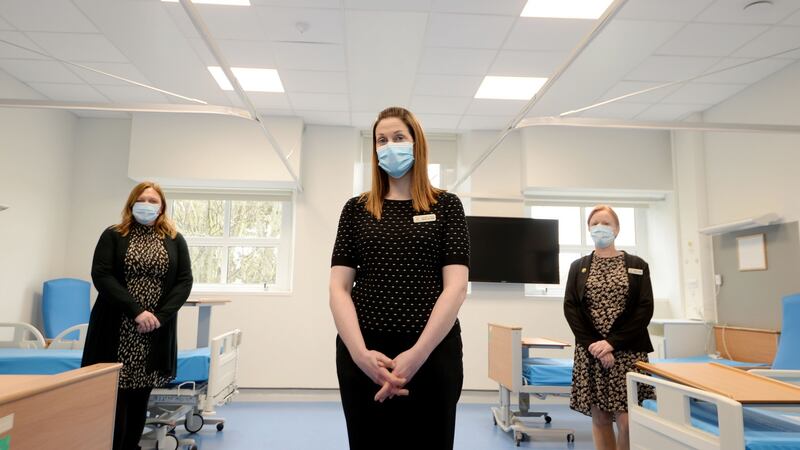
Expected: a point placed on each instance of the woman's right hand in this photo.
(146, 322)
(377, 367)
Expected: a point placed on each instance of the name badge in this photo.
(636, 271)
(425, 218)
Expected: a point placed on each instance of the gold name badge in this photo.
(425, 218)
(636, 271)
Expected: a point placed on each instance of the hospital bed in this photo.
(519, 371)
(686, 417)
(206, 377)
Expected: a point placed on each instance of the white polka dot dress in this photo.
(399, 261)
(146, 264)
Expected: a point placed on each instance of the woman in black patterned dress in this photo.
(608, 304)
(143, 275)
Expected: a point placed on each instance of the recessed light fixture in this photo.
(252, 80)
(509, 88)
(216, 2)
(566, 9)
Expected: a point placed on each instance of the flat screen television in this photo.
(513, 250)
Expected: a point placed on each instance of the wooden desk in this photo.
(745, 388)
(204, 306)
(73, 410)
(539, 342)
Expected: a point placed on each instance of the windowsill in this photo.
(239, 293)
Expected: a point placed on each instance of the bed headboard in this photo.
(746, 344)
(505, 355)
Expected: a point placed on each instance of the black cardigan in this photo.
(114, 300)
(629, 331)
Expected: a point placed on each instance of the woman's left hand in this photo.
(600, 349)
(406, 365)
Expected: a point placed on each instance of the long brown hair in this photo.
(163, 224)
(423, 194)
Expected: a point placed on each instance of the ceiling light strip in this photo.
(599, 26)
(588, 122)
(202, 29)
(126, 107)
(117, 77)
(673, 83)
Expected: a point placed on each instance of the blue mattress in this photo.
(558, 372)
(192, 364)
(763, 429)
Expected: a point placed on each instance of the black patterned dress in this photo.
(146, 263)
(592, 384)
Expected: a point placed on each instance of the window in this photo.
(575, 241)
(435, 175)
(236, 242)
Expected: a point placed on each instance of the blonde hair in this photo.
(606, 208)
(163, 224)
(423, 194)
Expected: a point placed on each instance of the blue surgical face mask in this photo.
(145, 213)
(396, 159)
(602, 235)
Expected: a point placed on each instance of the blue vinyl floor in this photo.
(321, 425)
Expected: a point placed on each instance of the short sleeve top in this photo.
(399, 259)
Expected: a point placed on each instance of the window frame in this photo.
(283, 245)
(586, 247)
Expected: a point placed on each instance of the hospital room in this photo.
(418, 224)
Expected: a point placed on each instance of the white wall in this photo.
(35, 176)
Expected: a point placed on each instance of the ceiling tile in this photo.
(131, 94)
(483, 107)
(32, 71)
(750, 73)
(325, 117)
(706, 39)
(258, 54)
(449, 85)
(547, 34)
(680, 10)
(69, 92)
(440, 105)
(302, 24)
(119, 69)
(438, 121)
(363, 119)
(223, 22)
(498, 7)
(263, 100)
(319, 102)
(389, 5)
(669, 112)
(45, 15)
(77, 47)
(629, 87)
(484, 122)
(333, 4)
(517, 63)
(728, 11)
(794, 19)
(314, 81)
(777, 39)
(617, 110)
(9, 51)
(292, 56)
(670, 68)
(5, 25)
(453, 61)
(459, 31)
(703, 93)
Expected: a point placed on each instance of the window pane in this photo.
(199, 218)
(251, 265)
(569, 221)
(207, 264)
(255, 219)
(627, 227)
(435, 174)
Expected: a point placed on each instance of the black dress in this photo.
(398, 262)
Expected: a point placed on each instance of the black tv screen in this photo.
(513, 250)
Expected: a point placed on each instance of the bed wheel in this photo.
(547, 419)
(494, 420)
(170, 443)
(194, 447)
(220, 426)
(570, 437)
(518, 437)
(194, 423)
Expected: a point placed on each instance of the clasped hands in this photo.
(390, 374)
(146, 322)
(603, 351)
